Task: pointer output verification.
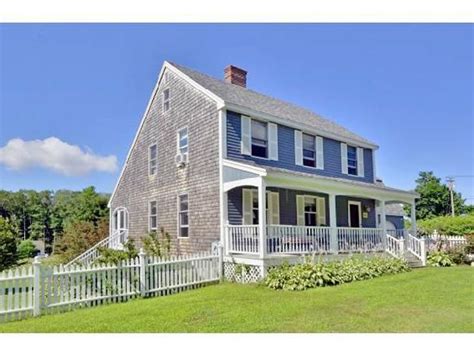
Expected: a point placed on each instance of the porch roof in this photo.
(294, 179)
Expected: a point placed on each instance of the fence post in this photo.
(220, 250)
(142, 256)
(36, 287)
(423, 250)
(402, 246)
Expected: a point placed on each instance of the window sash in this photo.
(153, 159)
(183, 216)
(351, 160)
(183, 141)
(152, 215)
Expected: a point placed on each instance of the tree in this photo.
(8, 249)
(434, 198)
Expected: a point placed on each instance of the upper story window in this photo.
(183, 141)
(183, 218)
(309, 150)
(152, 216)
(152, 159)
(351, 160)
(166, 100)
(259, 139)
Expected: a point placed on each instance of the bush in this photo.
(310, 275)
(156, 244)
(113, 256)
(439, 259)
(26, 249)
(8, 248)
(447, 225)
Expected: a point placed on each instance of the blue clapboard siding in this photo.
(342, 211)
(286, 152)
(288, 213)
(396, 220)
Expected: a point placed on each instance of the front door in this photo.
(354, 215)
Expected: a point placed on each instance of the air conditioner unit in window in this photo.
(181, 159)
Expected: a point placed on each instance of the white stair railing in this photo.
(114, 241)
(395, 246)
(416, 246)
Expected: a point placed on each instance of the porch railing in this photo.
(417, 247)
(360, 239)
(298, 239)
(397, 233)
(395, 246)
(243, 239)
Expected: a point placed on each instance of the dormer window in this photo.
(351, 160)
(166, 100)
(259, 139)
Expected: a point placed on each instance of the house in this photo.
(213, 160)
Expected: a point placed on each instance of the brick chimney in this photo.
(235, 75)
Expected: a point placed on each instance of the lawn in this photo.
(424, 300)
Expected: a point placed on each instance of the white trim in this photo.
(166, 66)
(245, 167)
(360, 162)
(178, 232)
(355, 203)
(299, 126)
(247, 205)
(319, 154)
(222, 114)
(298, 137)
(178, 148)
(117, 209)
(344, 160)
(149, 159)
(242, 182)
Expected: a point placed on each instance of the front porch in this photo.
(273, 215)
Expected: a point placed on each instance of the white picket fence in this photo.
(40, 289)
(451, 241)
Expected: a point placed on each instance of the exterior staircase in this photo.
(409, 248)
(116, 241)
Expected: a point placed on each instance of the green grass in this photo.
(425, 300)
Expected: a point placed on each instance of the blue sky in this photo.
(408, 87)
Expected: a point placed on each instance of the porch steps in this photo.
(412, 260)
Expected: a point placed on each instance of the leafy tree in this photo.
(435, 197)
(26, 249)
(8, 249)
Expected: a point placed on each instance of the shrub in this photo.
(310, 275)
(447, 225)
(439, 259)
(156, 244)
(8, 247)
(113, 256)
(26, 249)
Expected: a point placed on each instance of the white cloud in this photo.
(54, 154)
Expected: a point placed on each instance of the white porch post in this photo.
(333, 224)
(383, 219)
(261, 218)
(413, 218)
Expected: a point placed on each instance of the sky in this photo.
(72, 95)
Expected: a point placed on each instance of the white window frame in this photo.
(186, 147)
(151, 161)
(356, 167)
(150, 228)
(179, 216)
(268, 139)
(356, 203)
(302, 150)
(165, 101)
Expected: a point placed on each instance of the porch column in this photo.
(383, 220)
(261, 218)
(333, 224)
(413, 218)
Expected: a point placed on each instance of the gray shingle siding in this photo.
(200, 178)
(288, 207)
(286, 153)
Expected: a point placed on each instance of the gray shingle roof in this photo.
(237, 95)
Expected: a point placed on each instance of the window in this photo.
(309, 150)
(183, 141)
(254, 207)
(259, 139)
(183, 221)
(152, 216)
(166, 100)
(351, 160)
(152, 159)
(310, 217)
